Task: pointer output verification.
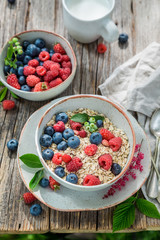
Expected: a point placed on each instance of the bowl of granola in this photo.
(86, 143)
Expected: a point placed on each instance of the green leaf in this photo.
(3, 93)
(1, 84)
(130, 200)
(80, 117)
(14, 95)
(31, 160)
(36, 179)
(123, 216)
(147, 208)
(97, 117)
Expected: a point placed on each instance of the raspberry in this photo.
(82, 133)
(56, 57)
(115, 143)
(44, 56)
(65, 58)
(74, 165)
(48, 77)
(40, 70)
(13, 81)
(66, 158)
(101, 48)
(32, 80)
(59, 49)
(64, 73)
(54, 71)
(8, 104)
(55, 82)
(76, 132)
(57, 158)
(105, 161)
(41, 86)
(66, 64)
(106, 134)
(28, 197)
(105, 143)
(59, 126)
(28, 70)
(54, 66)
(91, 149)
(47, 64)
(75, 125)
(33, 63)
(53, 183)
(91, 180)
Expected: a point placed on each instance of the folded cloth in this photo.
(136, 86)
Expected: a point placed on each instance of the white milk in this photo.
(88, 9)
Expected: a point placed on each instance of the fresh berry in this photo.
(20, 71)
(12, 144)
(55, 82)
(116, 169)
(47, 64)
(46, 140)
(6, 69)
(59, 49)
(53, 184)
(13, 70)
(123, 38)
(105, 161)
(21, 80)
(48, 77)
(99, 123)
(44, 56)
(75, 125)
(66, 158)
(35, 210)
(62, 117)
(57, 137)
(38, 52)
(59, 171)
(92, 120)
(54, 72)
(28, 197)
(62, 146)
(29, 70)
(65, 58)
(33, 63)
(19, 64)
(13, 81)
(66, 64)
(40, 63)
(72, 178)
(96, 138)
(59, 126)
(67, 133)
(91, 149)
(91, 180)
(25, 44)
(82, 133)
(73, 142)
(20, 57)
(8, 104)
(76, 132)
(74, 165)
(57, 158)
(39, 43)
(51, 52)
(101, 48)
(64, 73)
(32, 80)
(41, 86)
(54, 66)
(49, 130)
(105, 143)
(26, 59)
(26, 88)
(31, 50)
(37, 58)
(44, 50)
(47, 154)
(115, 143)
(56, 57)
(106, 134)
(44, 182)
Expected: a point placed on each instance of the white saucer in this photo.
(70, 200)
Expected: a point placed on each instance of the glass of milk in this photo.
(87, 20)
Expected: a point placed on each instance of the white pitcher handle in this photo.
(109, 31)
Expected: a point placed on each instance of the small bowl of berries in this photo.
(37, 65)
(85, 142)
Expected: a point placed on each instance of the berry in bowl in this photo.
(37, 65)
(86, 143)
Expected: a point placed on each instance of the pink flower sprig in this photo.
(134, 166)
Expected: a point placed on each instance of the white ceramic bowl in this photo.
(109, 109)
(50, 38)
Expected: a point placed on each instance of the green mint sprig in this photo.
(84, 117)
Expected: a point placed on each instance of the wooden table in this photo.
(140, 20)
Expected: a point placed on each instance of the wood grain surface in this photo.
(140, 20)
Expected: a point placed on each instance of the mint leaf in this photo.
(80, 117)
(130, 200)
(36, 179)
(31, 160)
(1, 84)
(147, 208)
(3, 93)
(97, 117)
(123, 216)
(14, 95)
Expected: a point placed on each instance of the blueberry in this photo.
(38, 51)
(26, 88)
(96, 138)
(37, 58)
(31, 50)
(73, 142)
(25, 44)
(41, 63)
(116, 169)
(12, 144)
(44, 49)
(21, 57)
(99, 123)
(11, 1)
(49, 130)
(22, 80)
(13, 70)
(72, 178)
(57, 137)
(67, 133)
(123, 38)
(62, 117)
(47, 154)
(59, 171)
(44, 182)
(20, 71)
(27, 59)
(40, 43)
(19, 63)
(6, 69)
(45, 140)
(35, 209)
(51, 51)
(62, 146)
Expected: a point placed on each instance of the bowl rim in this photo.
(47, 32)
(96, 187)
